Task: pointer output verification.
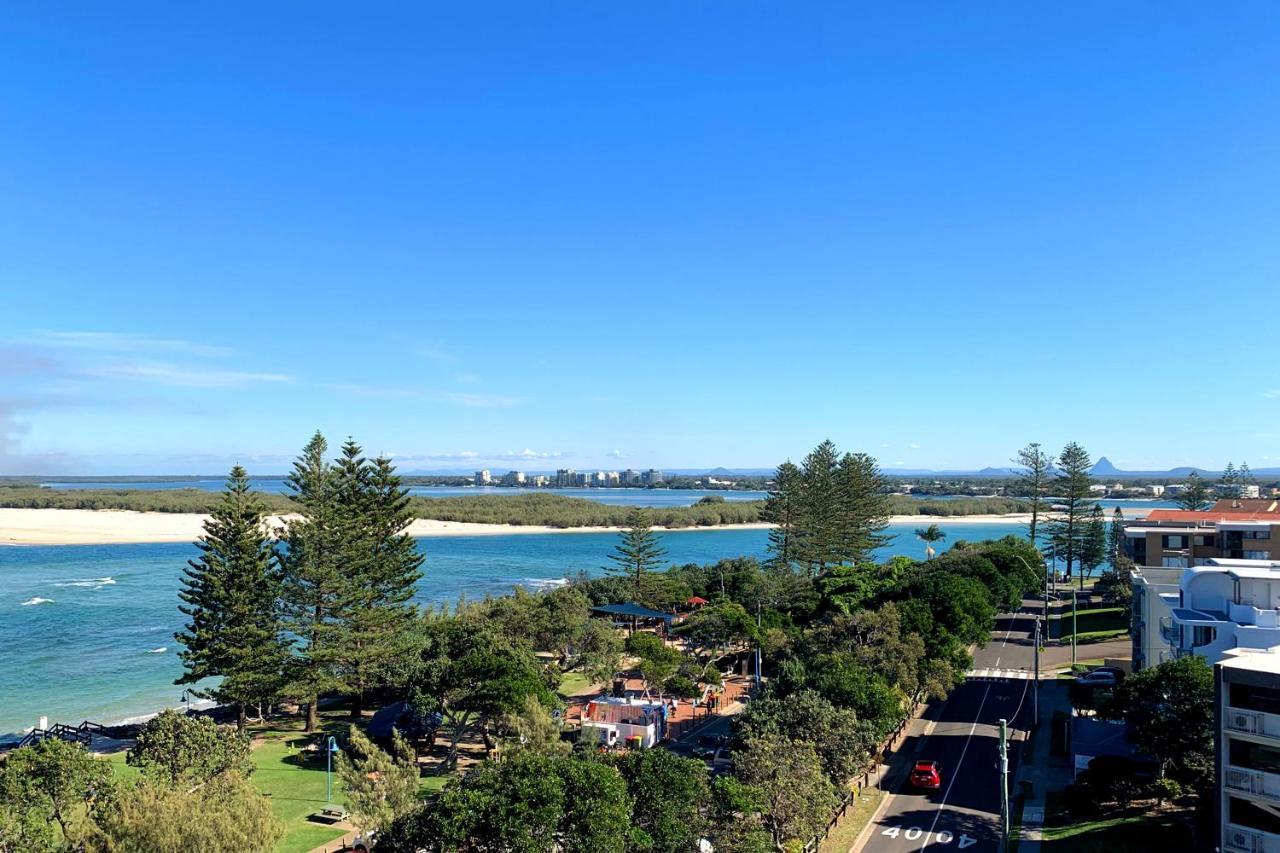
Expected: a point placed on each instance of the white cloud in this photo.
(1272, 393)
(161, 373)
(526, 455)
(480, 401)
(122, 342)
(380, 391)
(914, 446)
(616, 454)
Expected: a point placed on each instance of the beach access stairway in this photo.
(82, 734)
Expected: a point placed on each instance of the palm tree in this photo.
(929, 535)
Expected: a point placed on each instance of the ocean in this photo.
(86, 631)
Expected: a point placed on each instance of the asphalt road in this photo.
(963, 735)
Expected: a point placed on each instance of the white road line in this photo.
(956, 772)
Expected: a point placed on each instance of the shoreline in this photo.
(129, 527)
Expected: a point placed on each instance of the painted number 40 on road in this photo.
(942, 836)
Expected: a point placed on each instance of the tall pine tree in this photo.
(1036, 467)
(820, 540)
(383, 563)
(1067, 527)
(865, 511)
(782, 510)
(637, 553)
(229, 593)
(1194, 495)
(317, 587)
(1115, 538)
(1093, 551)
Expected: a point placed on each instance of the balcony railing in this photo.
(1242, 839)
(1169, 632)
(1247, 722)
(1259, 783)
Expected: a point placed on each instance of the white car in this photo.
(1097, 678)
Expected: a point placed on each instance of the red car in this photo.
(927, 774)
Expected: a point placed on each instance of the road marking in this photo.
(956, 770)
(998, 673)
(942, 837)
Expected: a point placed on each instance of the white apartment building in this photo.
(483, 478)
(1247, 754)
(1155, 595)
(1221, 605)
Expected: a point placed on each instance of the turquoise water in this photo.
(616, 497)
(86, 631)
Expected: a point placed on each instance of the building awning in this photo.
(632, 611)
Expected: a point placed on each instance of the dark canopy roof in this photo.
(632, 610)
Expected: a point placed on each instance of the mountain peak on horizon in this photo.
(1103, 466)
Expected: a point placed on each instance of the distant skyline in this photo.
(669, 235)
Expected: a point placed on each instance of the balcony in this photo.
(1257, 723)
(1169, 632)
(1242, 839)
(1247, 614)
(1258, 783)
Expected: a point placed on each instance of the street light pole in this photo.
(330, 747)
(1004, 786)
(1035, 675)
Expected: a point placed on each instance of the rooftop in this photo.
(1264, 660)
(1212, 515)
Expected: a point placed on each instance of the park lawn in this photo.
(297, 788)
(573, 683)
(1126, 833)
(846, 832)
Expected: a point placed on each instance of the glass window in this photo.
(1257, 555)
(1174, 562)
(1174, 542)
(1206, 541)
(1203, 636)
(1257, 534)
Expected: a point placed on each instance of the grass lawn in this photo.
(573, 683)
(847, 830)
(1126, 833)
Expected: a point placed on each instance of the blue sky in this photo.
(673, 234)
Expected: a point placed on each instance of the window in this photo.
(1257, 534)
(1257, 555)
(1173, 543)
(1174, 562)
(1206, 541)
(1254, 756)
(1255, 698)
(1203, 635)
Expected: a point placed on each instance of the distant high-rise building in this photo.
(652, 477)
(483, 478)
(566, 478)
(630, 477)
(612, 478)
(513, 478)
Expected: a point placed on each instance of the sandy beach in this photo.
(104, 527)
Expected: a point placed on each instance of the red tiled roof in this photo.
(1209, 515)
(1267, 505)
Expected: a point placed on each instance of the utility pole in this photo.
(759, 640)
(1004, 786)
(1075, 605)
(1035, 674)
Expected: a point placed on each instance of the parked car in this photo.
(1114, 670)
(1097, 678)
(927, 775)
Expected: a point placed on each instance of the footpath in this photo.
(1041, 771)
